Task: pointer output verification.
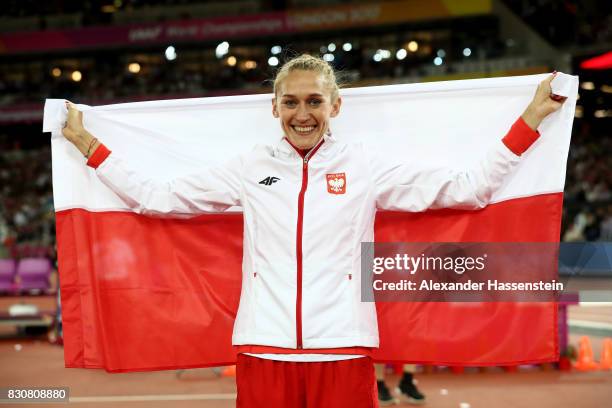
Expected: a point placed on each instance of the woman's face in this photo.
(303, 104)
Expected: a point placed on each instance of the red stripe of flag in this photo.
(142, 293)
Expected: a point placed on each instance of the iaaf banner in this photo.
(242, 26)
(149, 293)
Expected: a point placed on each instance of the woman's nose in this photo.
(302, 113)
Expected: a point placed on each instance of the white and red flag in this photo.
(147, 293)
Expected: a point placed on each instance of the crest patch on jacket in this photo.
(336, 183)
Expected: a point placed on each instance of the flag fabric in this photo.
(149, 293)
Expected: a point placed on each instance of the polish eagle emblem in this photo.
(336, 183)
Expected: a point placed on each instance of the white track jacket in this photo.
(304, 221)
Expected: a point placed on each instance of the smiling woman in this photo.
(305, 98)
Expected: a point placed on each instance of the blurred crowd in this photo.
(107, 81)
(567, 22)
(197, 71)
(27, 217)
(588, 187)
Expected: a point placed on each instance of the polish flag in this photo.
(142, 293)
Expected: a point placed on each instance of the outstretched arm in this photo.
(210, 190)
(410, 187)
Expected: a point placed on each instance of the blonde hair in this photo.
(306, 62)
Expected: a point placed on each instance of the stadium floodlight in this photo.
(56, 72)
(384, 53)
(331, 47)
(347, 46)
(441, 53)
(277, 49)
(170, 53)
(328, 57)
(222, 49)
(413, 46)
(377, 57)
(401, 54)
(587, 85)
(467, 52)
(438, 61)
(322, 49)
(134, 67)
(250, 64)
(76, 76)
(231, 61)
(273, 61)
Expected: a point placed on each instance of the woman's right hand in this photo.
(73, 127)
(76, 133)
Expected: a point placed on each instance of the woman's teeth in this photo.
(304, 129)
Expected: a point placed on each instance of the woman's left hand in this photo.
(544, 102)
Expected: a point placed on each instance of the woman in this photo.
(302, 333)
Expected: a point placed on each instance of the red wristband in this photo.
(520, 137)
(98, 156)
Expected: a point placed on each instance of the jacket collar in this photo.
(284, 149)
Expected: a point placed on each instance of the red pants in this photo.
(286, 384)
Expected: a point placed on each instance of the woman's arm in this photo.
(213, 189)
(410, 187)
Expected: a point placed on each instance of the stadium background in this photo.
(104, 51)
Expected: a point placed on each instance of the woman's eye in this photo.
(290, 104)
(315, 102)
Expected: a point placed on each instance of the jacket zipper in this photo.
(298, 251)
(298, 244)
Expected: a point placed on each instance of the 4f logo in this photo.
(336, 183)
(269, 181)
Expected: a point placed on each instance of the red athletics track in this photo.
(40, 364)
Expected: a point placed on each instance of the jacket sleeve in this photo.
(213, 189)
(411, 187)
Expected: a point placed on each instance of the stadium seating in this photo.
(33, 274)
(7, 275)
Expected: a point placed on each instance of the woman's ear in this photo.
(274, 109)
(336, 107)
